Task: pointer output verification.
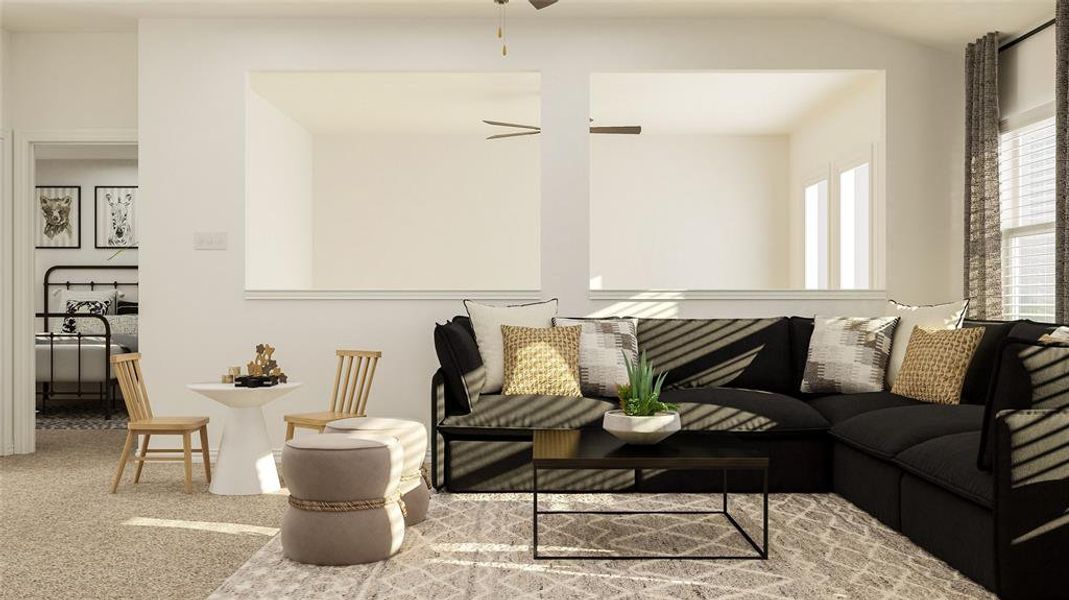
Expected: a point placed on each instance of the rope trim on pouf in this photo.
(423, 473)
(348, 505)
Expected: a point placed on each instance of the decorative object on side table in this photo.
(263, 370)
(642, 418)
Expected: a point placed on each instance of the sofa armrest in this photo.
(438, 413)
(1032, 502)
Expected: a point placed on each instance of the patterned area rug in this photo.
(79, 420)
(478, 546)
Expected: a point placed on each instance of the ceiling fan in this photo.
(533, 130)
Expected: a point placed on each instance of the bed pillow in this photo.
(120, 325)
(936, 363)
(603, 343)
(110, 295)
(848, 355)
(486, 321)
(936, 316)
(91, 307)
(541, 361)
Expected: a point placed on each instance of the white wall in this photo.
(278, 198)
(426, 212)
(71, 81)
(695, 212)
(847, 129)
(1026, 74)
(192, 94)
(88, 174)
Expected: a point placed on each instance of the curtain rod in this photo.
(1025, 36)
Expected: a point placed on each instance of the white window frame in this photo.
(1030, 117)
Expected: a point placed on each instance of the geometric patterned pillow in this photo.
(848, 355)
(935, 364)
(94, 307)
(119, 324)
(603, 344)
(541, 361)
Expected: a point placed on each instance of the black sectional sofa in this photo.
(983, 485)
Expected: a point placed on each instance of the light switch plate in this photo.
(210, 240)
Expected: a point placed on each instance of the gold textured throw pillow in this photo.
(542, 361)
(935, 364)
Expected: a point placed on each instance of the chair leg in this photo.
(187, 451)
(130, 436)
(289, 431)
(204, 453)
(141, 459)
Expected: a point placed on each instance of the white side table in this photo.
(245, 464)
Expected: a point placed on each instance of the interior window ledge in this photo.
(738, 294)
(528, 295)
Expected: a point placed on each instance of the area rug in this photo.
(478, 546)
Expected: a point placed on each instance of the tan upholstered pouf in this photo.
(345, 505)
(415, 484)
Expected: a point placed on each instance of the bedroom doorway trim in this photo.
(19, 284)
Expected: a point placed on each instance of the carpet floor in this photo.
(477, 546)
(66, 536)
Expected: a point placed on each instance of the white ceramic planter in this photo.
(640, 430)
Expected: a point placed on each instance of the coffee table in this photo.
(597, 449)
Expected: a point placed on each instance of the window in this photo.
(1026, 175)
(854, 218)
(816, 236)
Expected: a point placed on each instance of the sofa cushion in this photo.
(526, 412)
(1030, 374)
(840, 407)
(461, 364)
(949, 462)
(885, 433)
(739, 410)
(984, 360)
(742, 353)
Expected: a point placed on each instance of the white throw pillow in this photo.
(937, 316)
(487, 320)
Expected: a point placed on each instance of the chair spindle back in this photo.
(351, 388)
(132, 383)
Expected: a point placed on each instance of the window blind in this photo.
(1026, 190)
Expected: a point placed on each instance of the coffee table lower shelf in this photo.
(592, 448)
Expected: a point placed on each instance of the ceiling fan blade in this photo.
(502, 124)
(626, 129)
(540, 4)
(508, 135)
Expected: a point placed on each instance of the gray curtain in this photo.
(983, 235)
(1061, 173)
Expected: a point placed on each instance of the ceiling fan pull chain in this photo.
(504, 41)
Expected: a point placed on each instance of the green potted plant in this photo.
(642, 418)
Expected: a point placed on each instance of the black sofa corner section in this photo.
(960, 481)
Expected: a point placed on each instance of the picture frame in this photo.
(115, 217)
(58, 217)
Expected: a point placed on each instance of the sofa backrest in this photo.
(742, 353)
(984, 361)
(1029, 375)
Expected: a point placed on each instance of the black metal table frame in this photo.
(762, 550)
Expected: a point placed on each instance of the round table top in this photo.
(242, 397)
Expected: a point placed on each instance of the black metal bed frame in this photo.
(105, 392)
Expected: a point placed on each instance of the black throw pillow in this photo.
(462, 365)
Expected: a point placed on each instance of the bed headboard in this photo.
(96, 279)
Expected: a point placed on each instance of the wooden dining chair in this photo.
(142, 422)
(350, 394)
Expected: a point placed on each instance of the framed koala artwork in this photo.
(116, 217)
(58, 216)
